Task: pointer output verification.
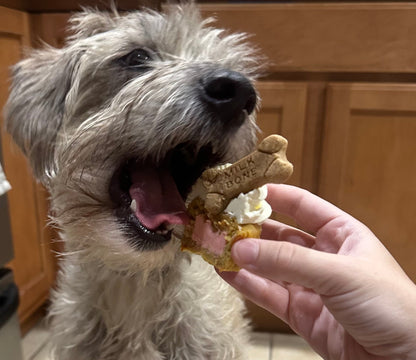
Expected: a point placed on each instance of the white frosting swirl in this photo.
(250, 208)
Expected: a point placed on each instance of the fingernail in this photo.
(245, 252)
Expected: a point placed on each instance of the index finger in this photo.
(308, 210)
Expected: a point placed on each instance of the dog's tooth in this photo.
(133, 205)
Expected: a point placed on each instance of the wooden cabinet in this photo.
(368, 160)
(326, 37)
(283, 111)
(33, 262)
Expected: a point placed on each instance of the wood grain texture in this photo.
(283, 110)
(39, 6)
(327, 37)
(368, 165)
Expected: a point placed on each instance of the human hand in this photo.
(339, 288)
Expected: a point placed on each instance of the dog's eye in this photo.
(138, 58)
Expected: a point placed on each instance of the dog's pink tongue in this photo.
(157, 198)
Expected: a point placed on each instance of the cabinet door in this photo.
(32, 264)
(368, 165)
(283, 109)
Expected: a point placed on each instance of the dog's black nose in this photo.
(228, 93)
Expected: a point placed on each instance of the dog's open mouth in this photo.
(150, 198)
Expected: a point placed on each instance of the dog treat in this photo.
(228, 202)
(268, 164)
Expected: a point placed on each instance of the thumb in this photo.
(283, 261)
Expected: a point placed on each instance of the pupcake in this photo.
(228, 203)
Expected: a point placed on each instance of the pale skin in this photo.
(334, 283)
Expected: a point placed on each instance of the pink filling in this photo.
(206, 237)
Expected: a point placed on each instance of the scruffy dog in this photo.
(118, 125)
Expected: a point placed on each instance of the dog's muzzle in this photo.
(149, 198)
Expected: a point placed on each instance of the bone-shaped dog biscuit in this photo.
(268, 164)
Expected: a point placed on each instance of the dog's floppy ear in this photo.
(36, 105)
(40, 85)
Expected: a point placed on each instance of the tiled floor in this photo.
(265, 346)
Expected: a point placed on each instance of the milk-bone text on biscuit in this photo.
(268, 164)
